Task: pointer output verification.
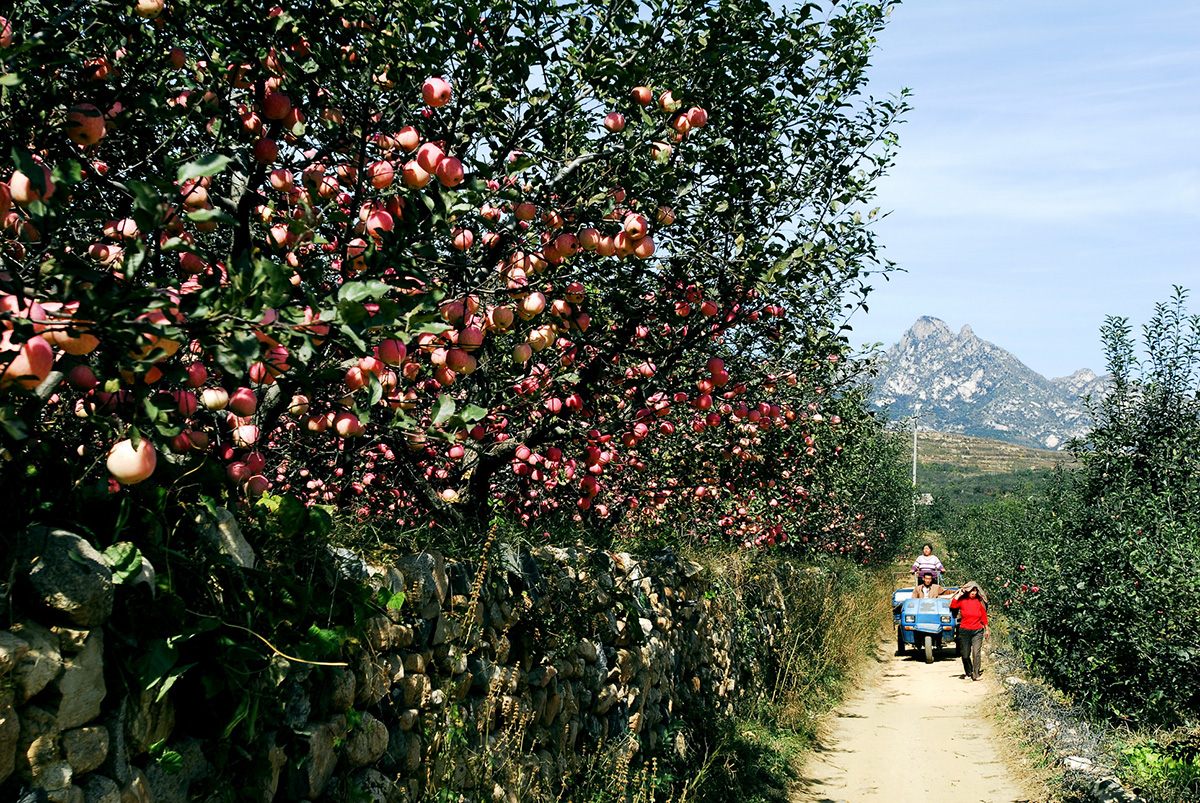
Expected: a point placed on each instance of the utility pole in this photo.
(916, 415)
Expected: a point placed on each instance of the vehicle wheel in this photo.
(929, 649)
(899, 641)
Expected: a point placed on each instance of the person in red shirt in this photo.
(970, 604)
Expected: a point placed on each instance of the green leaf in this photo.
(124, 560)
(12, 424)
(26, 164)
(247, 702)
(144, 196)
(205, 215)
(170, 761)
(11, 79)
(360, 291)
(238, 352)
(291, 516)
(520, 164)
(443, 409)
(68, 172)
(473, 412)
(320, 521)
(208, 165)
(374, 391)
(325, 642)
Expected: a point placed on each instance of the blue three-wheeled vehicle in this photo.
(922, 624)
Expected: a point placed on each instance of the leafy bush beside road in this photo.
(1101, 574)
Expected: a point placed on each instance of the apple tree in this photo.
(418, 262)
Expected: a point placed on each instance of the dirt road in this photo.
(914, 733)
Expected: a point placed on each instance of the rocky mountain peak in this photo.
(928, 327)
(967, 385)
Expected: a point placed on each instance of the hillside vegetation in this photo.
(960, 472)
(971, 456)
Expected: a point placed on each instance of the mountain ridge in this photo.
(969, 386)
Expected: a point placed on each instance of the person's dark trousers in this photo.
(970, 647)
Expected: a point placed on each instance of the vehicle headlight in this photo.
(946, 619)
(910, 618)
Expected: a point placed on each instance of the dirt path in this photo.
(915, 733)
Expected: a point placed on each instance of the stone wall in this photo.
(497, 682)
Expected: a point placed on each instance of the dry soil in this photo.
(914, 733)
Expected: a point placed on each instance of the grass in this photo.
(834, 624)
(755, 762)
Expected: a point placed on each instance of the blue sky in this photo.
(1048, 175)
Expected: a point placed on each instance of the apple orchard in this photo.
(426, 263)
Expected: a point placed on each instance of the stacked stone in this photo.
(519, 669)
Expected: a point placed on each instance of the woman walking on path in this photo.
(970, 603)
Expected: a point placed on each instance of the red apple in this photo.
(242, 402)
(82, 378)
(24, 193)
(450, 172)
(245, 435)
(85, 125)
(644, 247)
(436, 92)
(148, 9)
(379, 223)
(131, 464)
(636, 226)
(381, 174)
(257, 485)
(281, 180)
(276, 106)
(470, 338)
(31, 363)
(265, 151)
(429, 156)
(197, 375)
(408, 138)
(391, 352)
(460, 362)
(415, 176)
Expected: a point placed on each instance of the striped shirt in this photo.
(928, 563)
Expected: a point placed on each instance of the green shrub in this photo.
(1102, 573)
